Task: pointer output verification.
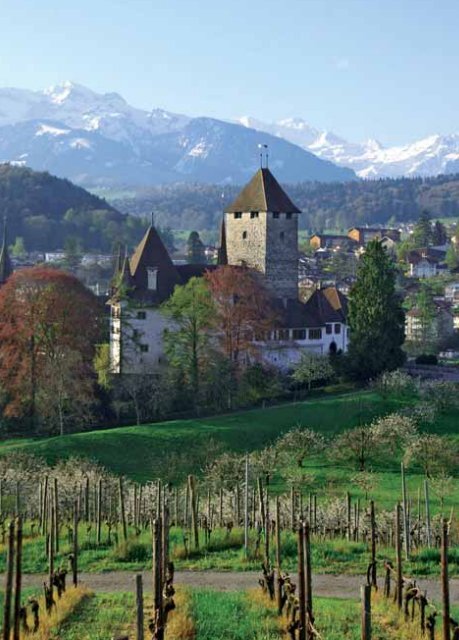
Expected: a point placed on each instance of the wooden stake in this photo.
(246, 506)
(278, 559)
(139, 606)
(365, 595)
(373, 545)
(406, 522)
(398, 556)
(75, 544)
(301, 585)
(18, 581)
(427, 501)
(445, 581)
(8, 583)
(122, 509)
(308, 578)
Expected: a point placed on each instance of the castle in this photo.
(260, 231)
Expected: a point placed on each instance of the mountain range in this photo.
(99, 139)
(431, 156)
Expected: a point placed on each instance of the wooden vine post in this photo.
(365, 595)
(373, 545)
(194, 510)
(278, 560)
(301, 585)
(308, 580)
(139, 607)
(122, 509)
(8, 583)
(445, 581)
(99, 511)
(75, 544)
(56, 515)
(246, 507)
(406, 522)
(18, 581)
(427, 505)
(398, 556)
(158, 624)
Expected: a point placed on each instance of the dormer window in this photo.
(238, 215)
(152, 273)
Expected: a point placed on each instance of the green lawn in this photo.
(173, 449)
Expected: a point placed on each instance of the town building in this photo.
(434, 328)
(364, 235)
(260, 231)
(330, 241)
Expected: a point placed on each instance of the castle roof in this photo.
(152, 254)
(263, 193)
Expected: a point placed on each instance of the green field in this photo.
(171, 450)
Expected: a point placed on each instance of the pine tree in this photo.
(439, 236)
(422, 233)
(196, 249)
(376, 317)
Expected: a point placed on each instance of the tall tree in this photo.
(46, 358)
(376, 317)
(195, 249)
(191, 309)
(422, 233)
(243, 312)
(439, 235)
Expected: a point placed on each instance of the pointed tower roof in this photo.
(222, 254)
(263, 193)
(6, 268)
(152, 254)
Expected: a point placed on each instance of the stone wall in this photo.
(269, 244)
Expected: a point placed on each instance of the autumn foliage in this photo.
(49, 324)
(243, 311)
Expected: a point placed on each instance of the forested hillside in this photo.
(46, 211)
(332, 205)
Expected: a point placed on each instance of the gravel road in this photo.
(339, 586)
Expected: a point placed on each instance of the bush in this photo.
(131, 551)
(427, 358)
(396, 383)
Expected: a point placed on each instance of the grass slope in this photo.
(173, 449)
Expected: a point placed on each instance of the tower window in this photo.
(288, 216)
(282, 235)
(254, 214)
(276, 215)
(238, 215)
(244, 235)
(141, 315)
(144, 348)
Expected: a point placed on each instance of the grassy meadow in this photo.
(171, 450)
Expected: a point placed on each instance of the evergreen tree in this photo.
(195, 249)
(422, 233)
(439, 236)
(452, 257)
(376, 318)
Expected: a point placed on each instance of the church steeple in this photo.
(6, 268)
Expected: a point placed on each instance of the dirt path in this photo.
(340, 586)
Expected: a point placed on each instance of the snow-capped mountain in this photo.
(431, 156)
(95, 138)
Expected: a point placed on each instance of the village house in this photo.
(329, 241)
(260, 231)
(440, 326)
(364, 235)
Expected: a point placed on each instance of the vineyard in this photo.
(61, 522)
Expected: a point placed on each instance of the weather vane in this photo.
(261, 147)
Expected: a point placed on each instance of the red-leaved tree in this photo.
(49, 325)
(244, 313)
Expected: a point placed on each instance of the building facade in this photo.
(260, 231)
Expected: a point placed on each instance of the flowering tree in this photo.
(49, 324)
(300, 443)
(312, 367)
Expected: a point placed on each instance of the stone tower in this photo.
(261, 231)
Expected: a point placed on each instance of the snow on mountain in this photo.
(430, 156)
(99, 139)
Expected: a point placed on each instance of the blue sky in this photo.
(382, 68)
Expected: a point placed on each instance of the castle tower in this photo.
(262, 232)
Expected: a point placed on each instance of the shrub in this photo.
(131, 551)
